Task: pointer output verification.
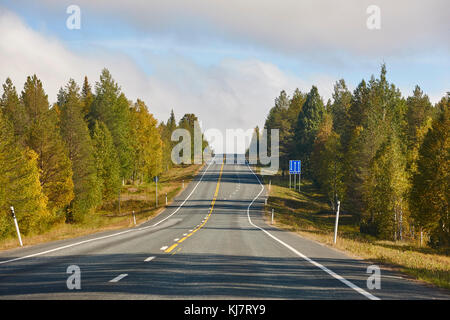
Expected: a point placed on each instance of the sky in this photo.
(226, 61)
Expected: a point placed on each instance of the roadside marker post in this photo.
(118, 201)
(156, 191)
(166, 198)
(337, 221)
(17, 225)
(272, 215)
(134, 218)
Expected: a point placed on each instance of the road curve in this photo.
(210, 243)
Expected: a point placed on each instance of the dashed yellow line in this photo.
(206, 219)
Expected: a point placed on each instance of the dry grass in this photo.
(138, 198)
(310, 215)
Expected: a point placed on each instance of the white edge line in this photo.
(335, 275)
(149, 259)
(111, 235)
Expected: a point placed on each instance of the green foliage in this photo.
(64, 162)
(86, 98)
(431, 183)
(327, 162)
(385, 192)
(166, 130)
(189, 122)
(386, 157)
(77, 140)
(308, 122)
(340, 107)
(42, 135)
(111, 107)
(20, 186)
(148, 144)
(283, 116)
(14, 110)
(107, 161)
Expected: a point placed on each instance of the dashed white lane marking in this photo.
(184, 234)
(119, 277)
(149, 259)
(393, 277)
(191, 230)
(176, 239)
(164, 248)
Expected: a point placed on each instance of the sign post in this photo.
(295, 168)
(299, 174)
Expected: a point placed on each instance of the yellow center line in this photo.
(207, 217)
(171, 247)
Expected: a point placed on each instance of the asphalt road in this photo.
(211, 243)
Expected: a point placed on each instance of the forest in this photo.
(61, 162)
(384, 157)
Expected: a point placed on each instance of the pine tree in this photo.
(107, 161)
(252, 153)
(375, 114)
(340, 107)
(112, 107)
(418, 118)
(76, 136)
(431, 183)
(308, 122)
(21, 188)
(327, 162)
(187, 122)
(279, 119)
(86, 97)
(14, 110)
(166, 130)
(43, 137)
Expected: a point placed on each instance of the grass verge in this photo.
(138, 198)
(308, 214)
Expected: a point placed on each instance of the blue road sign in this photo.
(295, 166)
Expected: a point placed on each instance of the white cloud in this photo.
(230, 94)
(294, 27)
(24, 52)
